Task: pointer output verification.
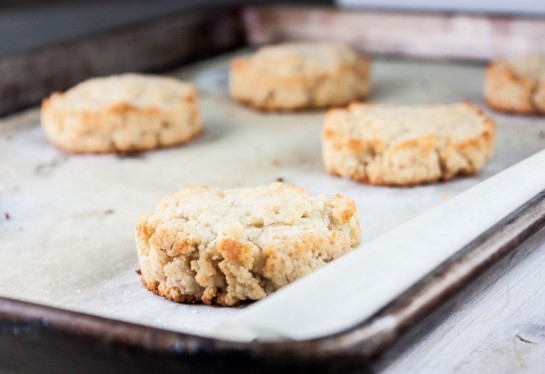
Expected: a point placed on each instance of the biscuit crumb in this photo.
(138, 271)
(108, 211)
(280, 179)
(45, 169)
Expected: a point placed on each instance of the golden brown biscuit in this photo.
(406, 144)
(204, 244)
(516, 85)
(122, 113)
(300, 76)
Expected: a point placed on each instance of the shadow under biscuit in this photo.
(132, 156)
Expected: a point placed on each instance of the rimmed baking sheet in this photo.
(67, 222)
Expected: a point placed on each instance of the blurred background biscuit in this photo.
(517, 84)
(295, 76)
(122, 113)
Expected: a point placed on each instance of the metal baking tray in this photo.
(67, 252)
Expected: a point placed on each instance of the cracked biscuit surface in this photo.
(122, 113)
(406, 144)
(516, 85)
(205, 244)
(296, 76)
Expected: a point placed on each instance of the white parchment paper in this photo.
(67, 222)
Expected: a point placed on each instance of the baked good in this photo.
(402, 145)
(122, 113)
(300, 76)
(517, 84)
(205, 244)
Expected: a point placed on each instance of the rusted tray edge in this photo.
(20, 319)
(149, 46)
(463, 36)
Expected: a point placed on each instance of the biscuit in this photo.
(516, 85)
(296, 76)
(205, 244)
(122, 113)
(407, 144)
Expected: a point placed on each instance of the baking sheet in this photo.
(67, 222)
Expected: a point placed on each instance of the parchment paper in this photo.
(345, 293)
(67, 222)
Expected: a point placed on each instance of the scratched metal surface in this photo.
(66, 230)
